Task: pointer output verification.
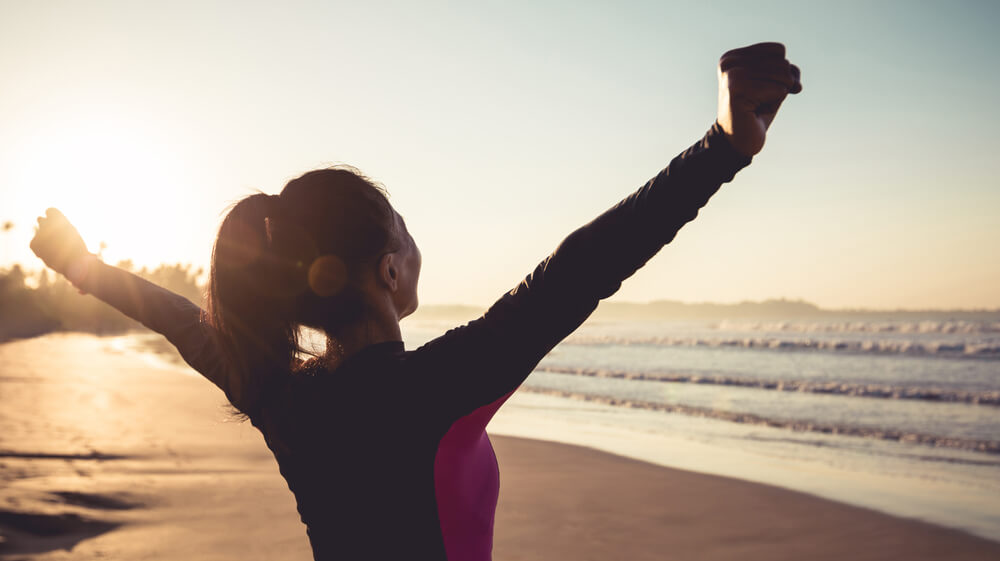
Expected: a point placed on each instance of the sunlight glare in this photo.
(112, 177)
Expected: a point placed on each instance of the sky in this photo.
(499, 127)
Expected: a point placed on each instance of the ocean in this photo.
(901, 415)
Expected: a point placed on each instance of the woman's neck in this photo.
(379, 325)
(377, 328)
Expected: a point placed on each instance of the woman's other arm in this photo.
(182, 322)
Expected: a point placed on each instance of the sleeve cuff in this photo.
(717, 141)
(81, 268)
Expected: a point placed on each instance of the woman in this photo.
(385, 449)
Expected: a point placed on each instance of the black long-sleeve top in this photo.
(387, 455)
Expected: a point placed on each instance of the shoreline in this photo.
(116, 457)
(837, 468)
(581, 503)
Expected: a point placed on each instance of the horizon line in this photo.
(770, 300)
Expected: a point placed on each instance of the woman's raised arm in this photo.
(481, 362)
(182, 322)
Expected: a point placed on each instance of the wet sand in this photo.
(107, 454)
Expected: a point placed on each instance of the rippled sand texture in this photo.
(106, 455)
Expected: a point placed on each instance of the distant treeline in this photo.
(36, 303)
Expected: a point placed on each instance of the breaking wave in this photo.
(963, 327)
(970, 444)
(989, 350)
(835, 388)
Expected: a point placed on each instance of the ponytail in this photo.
(253, 286)
(298, 259)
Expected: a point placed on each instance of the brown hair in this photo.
(290, 260)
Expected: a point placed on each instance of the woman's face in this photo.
(409, 271)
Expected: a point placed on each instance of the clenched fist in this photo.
(57, 242)
(753, 81)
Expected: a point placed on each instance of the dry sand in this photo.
(105, 454)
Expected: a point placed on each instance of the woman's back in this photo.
(363, 452)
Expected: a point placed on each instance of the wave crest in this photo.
(836, 388)
(970, 444)
(964, 327)
(884, 346)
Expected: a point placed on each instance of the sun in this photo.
(111, 175)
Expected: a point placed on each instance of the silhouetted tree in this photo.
(55, 305)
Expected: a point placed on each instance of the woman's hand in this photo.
(57, 242)
(753, 81)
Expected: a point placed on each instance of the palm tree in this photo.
(7, 227)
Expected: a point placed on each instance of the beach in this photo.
(107, 452)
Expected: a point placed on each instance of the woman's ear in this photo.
(388, 272)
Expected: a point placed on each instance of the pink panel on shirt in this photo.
(467, 484)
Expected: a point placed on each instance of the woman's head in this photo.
(317, 255)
